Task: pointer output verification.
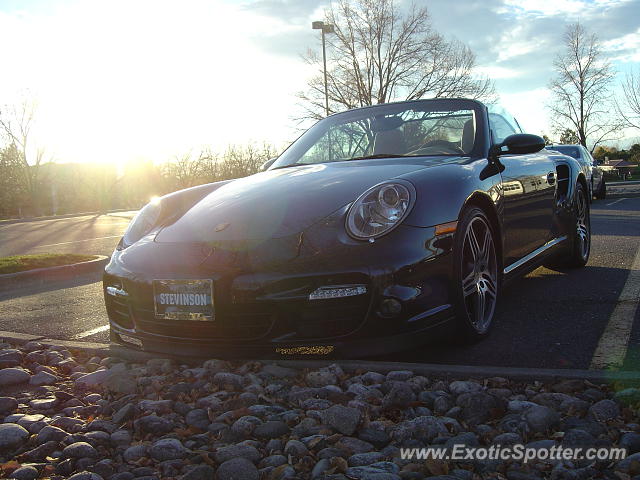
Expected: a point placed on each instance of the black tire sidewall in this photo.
(464, 328)
(575, 256)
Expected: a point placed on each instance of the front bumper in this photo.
(261, 295)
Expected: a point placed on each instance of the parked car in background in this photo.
(372, 230)
(591, 169)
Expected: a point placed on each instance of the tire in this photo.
(601, 194)
(580, 236)
(476, 276)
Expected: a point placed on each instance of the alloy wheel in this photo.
(582, 224)
(479, 274)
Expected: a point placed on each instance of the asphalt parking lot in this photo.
(91, 234)
(550, 318)
(555, 319)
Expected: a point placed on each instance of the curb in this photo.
(11, 281)
(629, 182)
(66, 215)
(89, 347)
(618, 195)
(426, 369)
(623, 190)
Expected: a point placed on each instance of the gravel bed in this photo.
(64, 415)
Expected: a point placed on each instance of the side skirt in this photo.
(533, 259)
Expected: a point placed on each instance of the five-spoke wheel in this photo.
(477, 274)
(580, 246)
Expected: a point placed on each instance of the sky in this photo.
(125, 80)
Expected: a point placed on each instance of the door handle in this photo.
(551, 178)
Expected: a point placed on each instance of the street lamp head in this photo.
(325, 27)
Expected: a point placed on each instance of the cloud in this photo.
(624, 49)
(515, 41)
(575, 9)
(496, 72)
(122, 79)
(293, 11)
(529, 108)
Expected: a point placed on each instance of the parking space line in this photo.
(77, 241)
(612, 347)
(88, 333)
(616, 201)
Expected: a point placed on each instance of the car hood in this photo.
(282, 202)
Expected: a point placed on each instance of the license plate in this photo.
(184, 299)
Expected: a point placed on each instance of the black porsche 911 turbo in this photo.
(376, 226)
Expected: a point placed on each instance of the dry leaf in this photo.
(9, 466)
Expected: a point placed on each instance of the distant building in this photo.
(620, 167)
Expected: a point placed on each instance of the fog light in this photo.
(337, 291)
(116, 292)
(390, 307)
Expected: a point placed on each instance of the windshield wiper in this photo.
(364, 157)
(286, 166)
(377, 155)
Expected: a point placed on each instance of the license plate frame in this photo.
(184, 299)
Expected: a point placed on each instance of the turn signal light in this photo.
(445, 228)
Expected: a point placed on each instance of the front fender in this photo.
(443, 191)
(576, 174)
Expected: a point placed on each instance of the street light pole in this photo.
(325, 28)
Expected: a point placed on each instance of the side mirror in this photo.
(520, 143)
(267, 164)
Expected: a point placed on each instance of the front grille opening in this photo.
(119, 312)
(563, 182)
(118, 307)
(319, 319)
(225, 325)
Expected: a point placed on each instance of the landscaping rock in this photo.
(167, 449)
(237, 469)
(12, 436)
(13, 376)
(343, 419)
(8, 405)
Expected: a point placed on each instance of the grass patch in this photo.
(22, 263)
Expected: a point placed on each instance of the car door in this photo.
(594, 170)
(528, 185)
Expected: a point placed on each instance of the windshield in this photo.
(566, 150)
(409, 129)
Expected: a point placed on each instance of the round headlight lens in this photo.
(142, 223)
(380, 209)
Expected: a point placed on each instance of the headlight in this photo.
(142, 223)
(380, 209)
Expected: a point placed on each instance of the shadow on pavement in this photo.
(548, 319)
(43, 286)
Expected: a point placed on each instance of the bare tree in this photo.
(581, 89)
(242, 160)
(10, 181)
(16, 123)
(380, 53)
(184, 171)
(237, 161)
(629, 107)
